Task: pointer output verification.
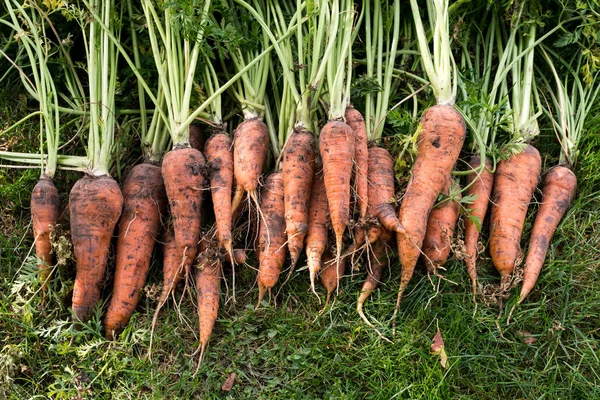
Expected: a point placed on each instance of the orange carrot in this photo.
(183, 175)
(378, 259)
(441, 136)
(381, 188)
(219, 157)
(440, 231)
(208, 278)
(173, 273)
(239, 256)
(250, 150)
(272, 237)
(481, 190)
(559, 190)
(332, 271)
(95, 204)
(374, 233)
(356, 122)
(298, 171)
(336, 144)
(316, 238)
(45, 210)
(515, 181)
(144, 204)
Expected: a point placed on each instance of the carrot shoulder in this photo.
(559, 190)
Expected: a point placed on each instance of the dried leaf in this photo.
(437, 348)
(228, 385)
(527, 337)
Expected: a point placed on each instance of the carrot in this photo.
(441, 136)
(316, 238)
(197, 138)
(183, 176)
(298, 171)
(45, 210)
(332, 271)
(239, 256)
(208, 278)
(250, 150)
(381, 188)
(272, 237)
(356, 122)
(95, 204)
(515, 181)
(440, 231)
(374, 233)
(336, 144)
(173, 273)
(378, 259)
(172, 267)
(559, 190)
(220, 160)
(481, 191)
(144, 204)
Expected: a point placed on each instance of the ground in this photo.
(292, 349)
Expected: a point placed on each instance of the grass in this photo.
(549, 350)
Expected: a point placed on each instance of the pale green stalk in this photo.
(337, 73)
(439, 67)
(572, 101)
(37, 48)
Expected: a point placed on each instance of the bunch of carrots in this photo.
(273, 127)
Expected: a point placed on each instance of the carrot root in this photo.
(316, 238)
(95, 205)
(45, 211)
(337, 147)
(298, 171)
(514, 184)
(481, 190)
(272, 237)
(559, 189)
(144, 204)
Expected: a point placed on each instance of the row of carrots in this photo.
(345, 183)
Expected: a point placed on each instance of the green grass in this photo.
(291, 351)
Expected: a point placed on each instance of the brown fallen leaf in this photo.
(527, 337)
(228, 385)
(437, 348)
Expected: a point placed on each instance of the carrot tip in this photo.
(261, 293)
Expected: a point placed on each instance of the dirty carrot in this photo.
(272, 237)
(140, 224)
(440, 229)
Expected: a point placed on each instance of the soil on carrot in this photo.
(289, 348)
